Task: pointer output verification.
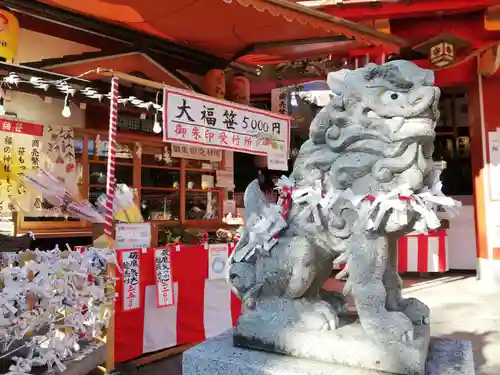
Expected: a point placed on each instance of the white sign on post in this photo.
(217, 261)
(131, 280)
(133, 236)
(277, 161)
(225, 179)
(197, 153)
(195, 119)
(494, 165)
(164, 284)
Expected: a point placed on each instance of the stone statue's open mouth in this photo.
(402, 128)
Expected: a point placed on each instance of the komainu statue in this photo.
(363, 179)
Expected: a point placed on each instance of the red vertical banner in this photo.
(235, 301)
(442, 250)
(403, 254)
(129, 325)
(190, 270)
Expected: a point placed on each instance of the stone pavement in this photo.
(458, 308)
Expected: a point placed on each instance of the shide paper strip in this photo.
(50, 302)
(264, 223)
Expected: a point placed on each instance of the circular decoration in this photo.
(218, 265)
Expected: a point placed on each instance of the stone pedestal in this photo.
(218, 356)
(348, 345)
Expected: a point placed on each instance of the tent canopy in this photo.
(248, 31)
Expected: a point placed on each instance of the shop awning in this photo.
(133, 63)
(250, 31)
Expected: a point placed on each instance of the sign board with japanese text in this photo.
(133, 236)
(225, 179)
(195, 152)
(277, 162)
(163, 275)
(195, 119)
(279, 100)
(26, 146)
(131, 279)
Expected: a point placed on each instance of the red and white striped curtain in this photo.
(203, 308)
(423, 252)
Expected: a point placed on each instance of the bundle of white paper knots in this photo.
(261, 232)
(398, 200)
(68, 291)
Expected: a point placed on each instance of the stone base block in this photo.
(348, 345)
(218, 356)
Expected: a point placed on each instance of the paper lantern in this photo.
(239, 90)
(442, 54)
(442, 49)
(9, 35)
(215, 83)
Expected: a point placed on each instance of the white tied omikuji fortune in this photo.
(363, 179)
(52, 302)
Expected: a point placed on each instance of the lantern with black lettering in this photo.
(9, 35)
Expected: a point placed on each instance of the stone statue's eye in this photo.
(394, 96)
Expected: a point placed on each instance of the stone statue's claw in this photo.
(334, 324)
(407, 336)
(415, 310)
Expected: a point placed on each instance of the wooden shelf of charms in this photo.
(171, 191)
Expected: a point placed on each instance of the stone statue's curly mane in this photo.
(377, 127)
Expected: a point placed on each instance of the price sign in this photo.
(164, 284)
(277, 162)
(204, 121)
(133, 236)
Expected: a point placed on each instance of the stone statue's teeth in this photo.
(395, 123)
(372, 114)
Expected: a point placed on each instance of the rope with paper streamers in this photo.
(110, 179)
(51, 302)
(64, 87)
(264, 229)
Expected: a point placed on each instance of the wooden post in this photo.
(215, 85)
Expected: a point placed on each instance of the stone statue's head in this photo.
(377, 131)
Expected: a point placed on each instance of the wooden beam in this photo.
(132, 79)
(285, 43)
(489, 61)
(403, 9)
(161, 355)
(43, 26)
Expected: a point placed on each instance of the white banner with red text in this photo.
(174, 296)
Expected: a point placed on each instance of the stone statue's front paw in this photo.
(329, 313)
(386, 326)
(316, 315)
(417, 311)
